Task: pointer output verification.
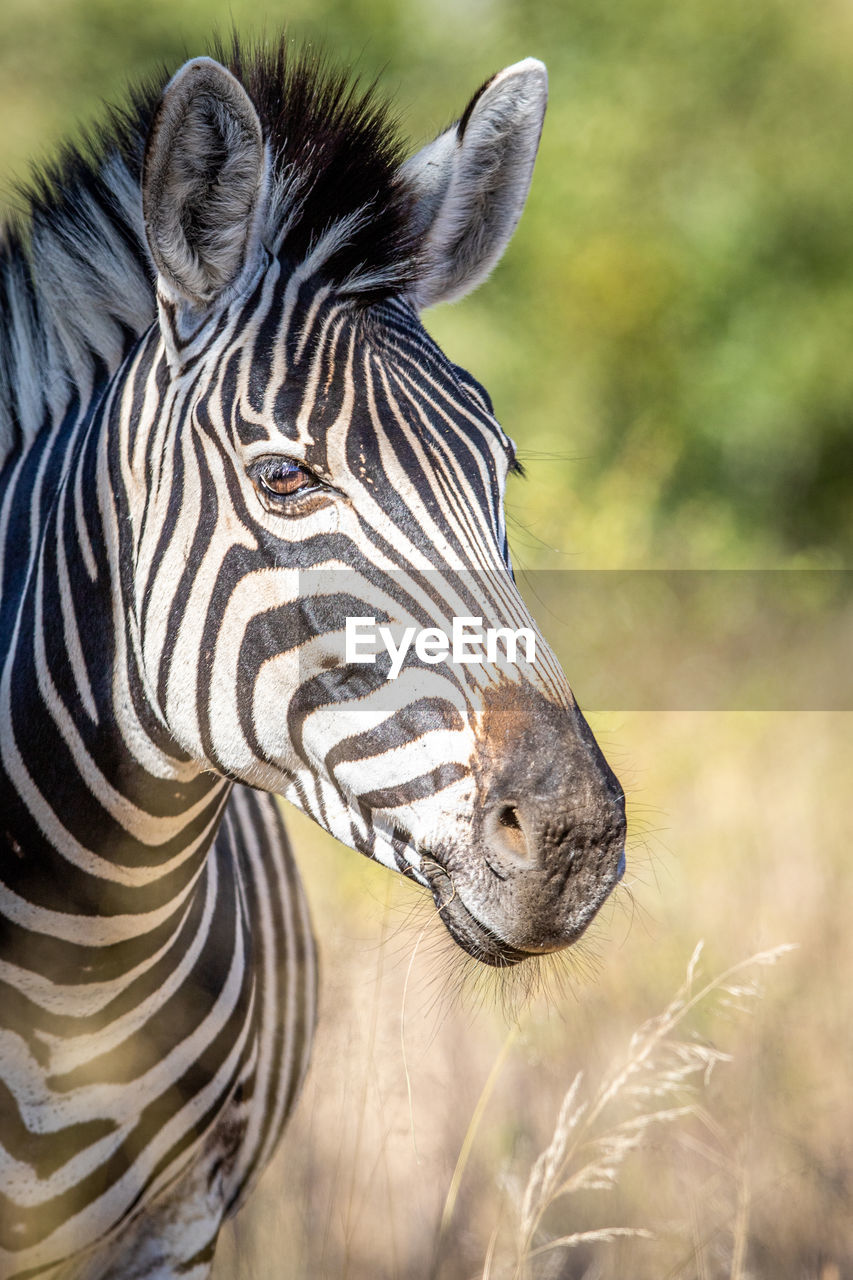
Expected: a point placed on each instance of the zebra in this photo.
(224, 432)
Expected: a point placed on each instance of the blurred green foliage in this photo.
(668, 337)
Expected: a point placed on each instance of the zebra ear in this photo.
(472, 181)
(204, 179)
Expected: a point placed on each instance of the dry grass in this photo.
(425, 1143)
(658, 1082)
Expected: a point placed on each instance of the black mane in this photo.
(343, 147)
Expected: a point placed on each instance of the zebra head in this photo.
(302, 453)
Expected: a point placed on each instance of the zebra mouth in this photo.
(465, 929)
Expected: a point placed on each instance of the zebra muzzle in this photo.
(547, 842)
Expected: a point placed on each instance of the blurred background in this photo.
(668, 342)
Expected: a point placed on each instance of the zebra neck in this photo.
(105, 824)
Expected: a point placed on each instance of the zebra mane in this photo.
(77, 285)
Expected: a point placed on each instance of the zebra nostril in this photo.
(505, 836)
(508, 817)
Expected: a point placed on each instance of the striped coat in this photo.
(224, 432)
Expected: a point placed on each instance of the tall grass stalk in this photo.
(660, 1068)
(471, 1133)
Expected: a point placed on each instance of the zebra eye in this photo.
(283, 480)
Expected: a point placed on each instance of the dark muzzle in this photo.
(549, 833)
